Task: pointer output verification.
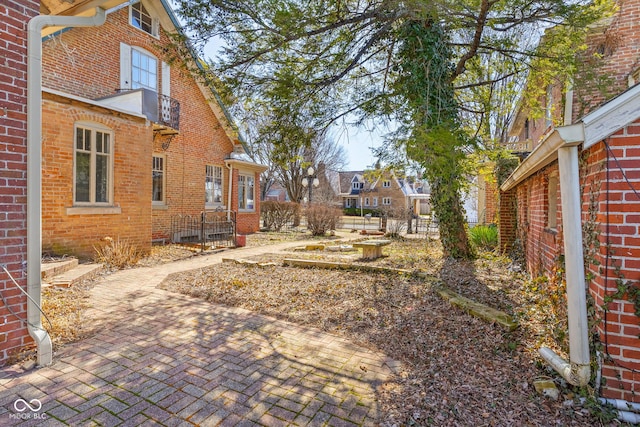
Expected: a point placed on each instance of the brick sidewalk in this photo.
(161, 358)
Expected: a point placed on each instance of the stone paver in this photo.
(160, 358)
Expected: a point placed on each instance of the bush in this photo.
(117, 254)
(484, 237)
(358, 212)
(276, 215)
(322, 218)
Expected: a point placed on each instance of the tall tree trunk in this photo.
(451, 221)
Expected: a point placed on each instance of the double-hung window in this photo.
(246, 192)
(386, 184)
(386, 201)
(213, 185)
(159, 180)
(93, 165)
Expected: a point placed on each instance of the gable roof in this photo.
(169, 22)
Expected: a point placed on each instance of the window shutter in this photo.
(166, 79)
(125, 66)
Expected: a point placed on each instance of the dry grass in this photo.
(65, 308)
(458, 370)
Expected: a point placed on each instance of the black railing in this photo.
(208, 229)
(169, 112)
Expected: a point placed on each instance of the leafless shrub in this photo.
(117, 253)
(275, 215)
(396, 220)
(322, 218)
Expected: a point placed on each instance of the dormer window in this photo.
(141, 19)
(355, 186)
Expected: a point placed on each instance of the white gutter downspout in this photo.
(230, 167)
(577, 371)
(34, 170)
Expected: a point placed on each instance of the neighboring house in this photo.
(276, 193)
(132, 139)
(382, 191)
(576, 198)
(14, 16)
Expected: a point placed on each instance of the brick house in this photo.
(574, 203)
(14, 16)
(381, 191)
(133, 138)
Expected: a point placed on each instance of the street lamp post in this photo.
(310, 181)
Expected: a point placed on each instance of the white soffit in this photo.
(612, 116)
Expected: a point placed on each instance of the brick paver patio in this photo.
(161, 358)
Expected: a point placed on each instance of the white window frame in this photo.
(213, 172)
(375, 201)
(386, 183)
(386, 201)
(93, 129)
(366, 201)
(163, 170)
(144, 54)
(243, 178)
(155, 22)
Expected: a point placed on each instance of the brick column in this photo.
(507, 219)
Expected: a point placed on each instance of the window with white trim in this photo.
(386, 201)
(386, 184)
(93, 165)
(159, 180)
(375, 201)
(144, 70)
(366, 201)
(213, 185)
(142, 19)
(246, 192)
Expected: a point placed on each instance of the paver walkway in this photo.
(161, 358)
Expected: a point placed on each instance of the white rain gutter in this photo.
(562, 144)
(34, 170)
(578, 370)
(230, 167)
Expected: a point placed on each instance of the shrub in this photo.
(276, 215)
(359, 212)
(322, 218)
(117, 254)
(484, 237)
(396, 222)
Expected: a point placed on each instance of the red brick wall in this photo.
(619, 45)
(86, 62)
(542, 245)
(618, 256)
(507, 223)
(65, 233)
(14, 15)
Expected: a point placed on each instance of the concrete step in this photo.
(52, 269)
(75, 276)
